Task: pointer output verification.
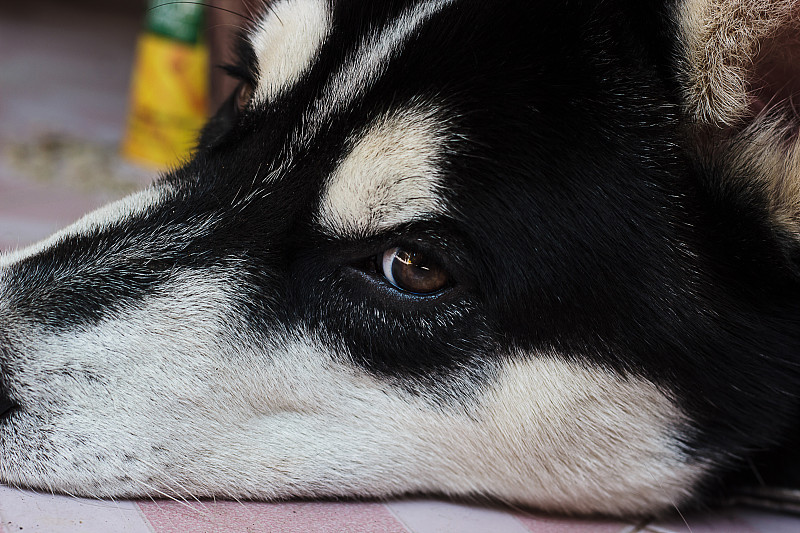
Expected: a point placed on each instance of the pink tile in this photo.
(536, 523)
(287, 517)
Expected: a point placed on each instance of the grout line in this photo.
(400, 520)
(144, 519)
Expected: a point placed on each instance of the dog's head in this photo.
(539, 252)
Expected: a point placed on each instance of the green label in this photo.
(181, 21)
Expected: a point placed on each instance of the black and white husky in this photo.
(541, 252)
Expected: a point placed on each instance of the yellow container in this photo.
(169, 89)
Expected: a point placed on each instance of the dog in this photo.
(545, 253)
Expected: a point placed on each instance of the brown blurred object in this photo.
(225, 18)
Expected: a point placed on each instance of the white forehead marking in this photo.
(130, 206)
(389, 177)
(364, 67)
(285, 41)
(378, 49)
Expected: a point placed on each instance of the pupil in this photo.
(411, 273)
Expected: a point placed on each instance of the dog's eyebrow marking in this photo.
(364, 66)
(389, 177)
(130, 206)
(286, 41)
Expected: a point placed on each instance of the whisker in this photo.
(179, 500)
(212, 6)
(672, 502)
(183, 489)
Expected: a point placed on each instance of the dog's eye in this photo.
(412, 271)
(242, 95)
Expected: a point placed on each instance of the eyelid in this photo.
(239, 72)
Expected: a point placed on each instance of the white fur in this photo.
(389, 177)
(132, 205)
(362, 68)
(177, 397)
(286, 41)
(721, 41)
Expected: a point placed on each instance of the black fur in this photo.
(579, 221)
(576, 152)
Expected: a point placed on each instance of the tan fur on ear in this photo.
(741, 78)
(722, 38)
(771, 168)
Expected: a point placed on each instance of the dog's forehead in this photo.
(288, 38)
(389, 163)
(285, 41)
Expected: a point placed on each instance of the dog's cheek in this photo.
(576, 438)
(545, 433)
(221, 418)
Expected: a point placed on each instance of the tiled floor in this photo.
(63, 94)
(30, 512)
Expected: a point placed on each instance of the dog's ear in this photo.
(740, 74)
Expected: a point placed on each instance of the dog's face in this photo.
(445, 247)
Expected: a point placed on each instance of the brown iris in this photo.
(243, 95)
(412, 271)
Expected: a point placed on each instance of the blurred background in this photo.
(98, 96)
